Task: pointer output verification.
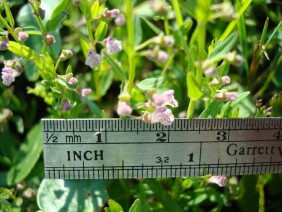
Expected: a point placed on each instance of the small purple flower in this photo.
(162, 115)
(226, 80)
(110, 13)
(72, 81)
(162, 56)
(4, 43)
(226, 96)
(22, 36)
(219, 180)
(113, 45)
(120, 20)
(93, 59)
(168, 41)
(8, 75)
(211, 72)
(124, 109)
(166, 98)
(67, 106)
(85, 91)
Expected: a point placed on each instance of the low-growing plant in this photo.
(150, 60)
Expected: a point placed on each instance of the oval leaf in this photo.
(119, 73)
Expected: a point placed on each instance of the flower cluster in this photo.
(212, 73)
(159, 103)
(113, 46)
(10, 71)
(219, 180)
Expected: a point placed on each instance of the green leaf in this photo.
(106, 79)
(31, 72)
(56, 22)
(194, 89)
(9, 14)
(85, 9)
(101, 31)
(164, 197)
(114, 206)
(95, 110)
(229, 106)
(119, 73)
(138, 31)
(149, 83)
(21, 50)
(233, 23)
(224, 46)
(211, 110)
(63, 6)
(84, 46)
(5, 206)
(136, 206)
(276, 105)
(95, 9)
(71, 195)
(155, 29)
(27, 156)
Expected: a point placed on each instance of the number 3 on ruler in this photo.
(222, 135)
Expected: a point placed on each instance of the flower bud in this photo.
(168, 41)
(93, 59)
(210, 72)
(72, 81)
(219, 180)
(226, 96)
(68, 76)
(85, 91)
(120, 20)
(22, 36)
(234, 58)
(49, 40)
(110, 13)
(113, 45)
(124, 109)
(4, 43)
(226, 80)
(124, 96)
(66, 54)
(162, 56)
(76, 3)
(67, 106)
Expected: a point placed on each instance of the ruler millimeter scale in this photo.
(131, 148)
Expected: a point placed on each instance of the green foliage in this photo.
(166, 45)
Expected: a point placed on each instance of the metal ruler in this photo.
(131, 148)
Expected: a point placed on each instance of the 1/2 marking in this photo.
(55, 138)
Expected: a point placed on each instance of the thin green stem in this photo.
(130, 37)
(260, 186)
(10, 29)
(191, 108)
(166, 26)
(176, 7)
(143, 45)
(38, 19)
(97, 84)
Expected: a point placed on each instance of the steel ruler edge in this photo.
(131, 148)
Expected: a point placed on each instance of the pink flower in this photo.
(22, 36)
(168, 41)
(4, 43)
(110, 13)
(226, 80)
(67, 106)
(120, 20)
(226, 96)
(93, 59)
(219, 180)
(124, 109)
(8, 75)
(166, 98)
(72, 81)
(162, 115)
(210, 72)
(162, 56)
(85, 91)
(113, 45)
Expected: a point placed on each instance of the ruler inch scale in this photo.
(131, 148)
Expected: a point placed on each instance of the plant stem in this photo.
(130, 37)
(176, 7)
(10, 30)
(38, 19)
(191, 108)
